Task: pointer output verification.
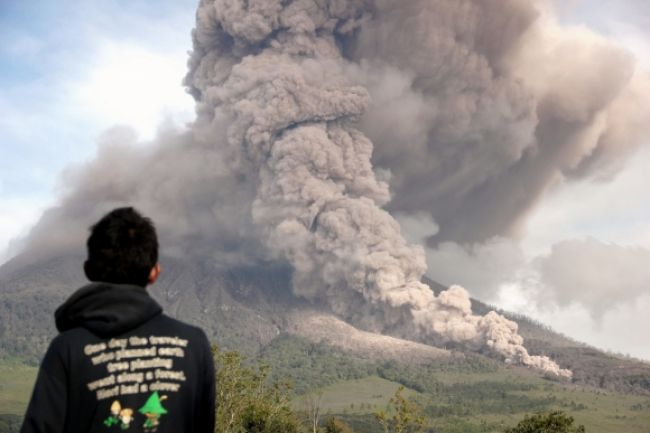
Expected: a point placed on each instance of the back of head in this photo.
(122, 248)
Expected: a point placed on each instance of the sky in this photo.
(69, 72)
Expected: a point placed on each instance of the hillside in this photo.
(247, 308)
(469, 394)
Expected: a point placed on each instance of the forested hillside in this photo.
(468, 394)
(245, 309)
(253, 311)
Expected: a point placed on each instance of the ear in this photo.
(153, 274)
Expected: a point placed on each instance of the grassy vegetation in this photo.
(488, 402)
(357, 396)
(471, 394)
(16, 382)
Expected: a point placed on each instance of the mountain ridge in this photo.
(246, 308)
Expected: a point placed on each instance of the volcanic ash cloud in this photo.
(276, 69)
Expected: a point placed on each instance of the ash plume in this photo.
(285, 85)
(308, 110)
(479, 107)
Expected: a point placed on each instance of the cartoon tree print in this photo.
(153, 410)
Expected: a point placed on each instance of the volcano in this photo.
(247, 309)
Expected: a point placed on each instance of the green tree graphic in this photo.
(153, 410)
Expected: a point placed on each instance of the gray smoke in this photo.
(479, 107)
(185, 183)
(278, 71)
(308, 109)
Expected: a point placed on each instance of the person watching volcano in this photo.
(117, 357)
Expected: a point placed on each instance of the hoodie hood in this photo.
(106, 309)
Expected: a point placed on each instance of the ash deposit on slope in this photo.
(468, 125)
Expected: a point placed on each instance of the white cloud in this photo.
(623, 329)
(77, 71)
(18, 215)
(599, 276)
(626, 22)
(593, 291)
(131, 85)
(635, 40)
(616, 211)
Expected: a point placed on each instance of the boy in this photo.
(118, 363)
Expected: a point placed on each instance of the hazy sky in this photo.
(67, 74)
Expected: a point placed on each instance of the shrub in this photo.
(549, 422)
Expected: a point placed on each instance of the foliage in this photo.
(638, 381)
(549, 422)
(488, 397)
(10, 423)
(247, 401)
(468, 394)
(402, 415)
(312, 365)
(336, 425)
(314, 402)
(315, 365)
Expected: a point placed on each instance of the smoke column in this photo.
(277, 70)
(481, 106)
(307, 110)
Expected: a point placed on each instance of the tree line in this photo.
(250, 400)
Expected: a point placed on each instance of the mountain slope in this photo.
(247, 308)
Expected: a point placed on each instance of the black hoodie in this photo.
(120, 365)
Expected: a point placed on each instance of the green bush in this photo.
(549, 422)
(335, 425)
(402, 415)
(10, 423)
(247, 402)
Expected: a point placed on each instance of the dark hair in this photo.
(122, 248)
